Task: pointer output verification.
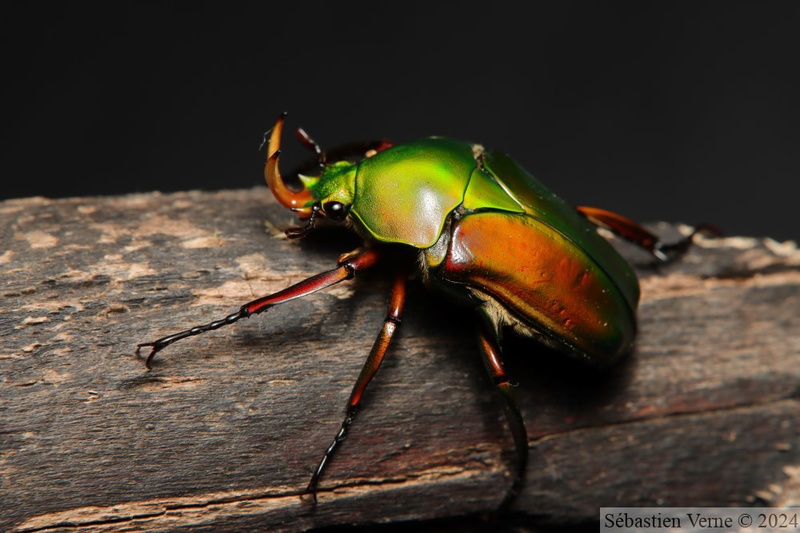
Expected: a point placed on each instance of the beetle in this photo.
(452, 210)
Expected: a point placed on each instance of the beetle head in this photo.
(330, 194)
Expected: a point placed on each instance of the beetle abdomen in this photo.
(551, 286)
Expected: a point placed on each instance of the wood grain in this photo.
(223, 433)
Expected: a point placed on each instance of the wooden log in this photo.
(223, 433)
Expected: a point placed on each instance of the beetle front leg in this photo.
(346, 269)
(490, 350)
(368, 371)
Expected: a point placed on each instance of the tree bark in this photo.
(225, 430)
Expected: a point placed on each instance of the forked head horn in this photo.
(295, 201)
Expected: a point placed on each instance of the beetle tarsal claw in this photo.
(310, 492)
(140, 346)
(154, 348)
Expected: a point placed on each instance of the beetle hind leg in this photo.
(368, 371)
(640, 236)
(490, 350)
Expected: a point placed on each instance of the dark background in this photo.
(680, 111)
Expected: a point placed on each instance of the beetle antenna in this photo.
(306, 140)
(302, 231)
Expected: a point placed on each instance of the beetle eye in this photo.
(335, 211)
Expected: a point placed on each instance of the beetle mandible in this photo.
(459, 208)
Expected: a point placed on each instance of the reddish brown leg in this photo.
(635, 233)
(492, 357)
(373, 362)
(346, 269)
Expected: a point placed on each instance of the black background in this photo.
(680, 111)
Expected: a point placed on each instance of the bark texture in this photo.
(223, 433)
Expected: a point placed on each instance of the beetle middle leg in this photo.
(368, 371)
(491, 352)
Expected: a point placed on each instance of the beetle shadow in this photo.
(561, 391)
(329, 238)
(555, 392)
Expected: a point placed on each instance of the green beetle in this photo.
(459, 209)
